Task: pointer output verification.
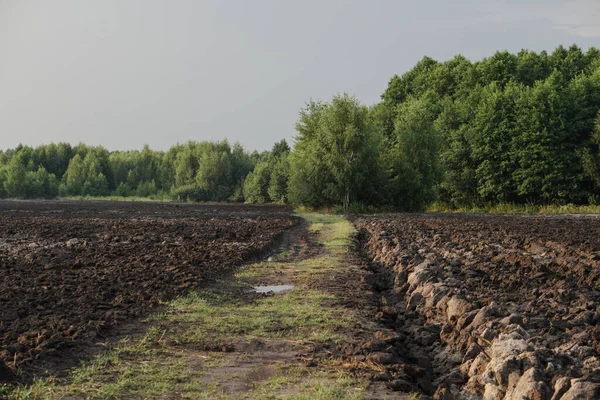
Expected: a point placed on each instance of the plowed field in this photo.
(71, 270)
(504, 307)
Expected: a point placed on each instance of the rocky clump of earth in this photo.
(497, 307)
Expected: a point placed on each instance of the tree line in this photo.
(518, 128)
(194, 171)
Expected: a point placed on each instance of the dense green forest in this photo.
(518, 128)
(195, 171)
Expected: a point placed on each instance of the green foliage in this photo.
(241, 165)
(498, 69)
(269, 180)
(19, 181)
(491, 145)
(278, 184)
(123, 190)
(411, 158)
(207, 171)
(280, 149)
(308, 171)
(256, 185)
(214, 175)
(15, 183)
(146, 189)
(95, 185)
(75, 176)
(86, 177)
(189, 193)
(2, 182)
(335, 157)
(591, 156)
(512, 127)
(197, 171)
(137, 172)
(186, 165)
(41, 184)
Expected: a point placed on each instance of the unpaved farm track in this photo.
(504, 307)
(71, 270)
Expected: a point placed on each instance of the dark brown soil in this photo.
(71, 270)
(502, 306)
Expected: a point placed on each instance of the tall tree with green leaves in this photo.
(186, 165)
(241, 165)
(309, 173)
(412, 157)
(75, 176)
(214, 174)
(256, 184)
(2, 181)
(335, 156)
(41, 184)
(591, 158)
(278, 181)
(15, 183)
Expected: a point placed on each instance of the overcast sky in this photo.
(122, 73)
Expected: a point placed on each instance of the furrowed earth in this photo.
(406, 306)
(71, 270)
(504, 307)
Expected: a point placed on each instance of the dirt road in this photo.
(315, 340)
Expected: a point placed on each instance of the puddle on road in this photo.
(275, 288)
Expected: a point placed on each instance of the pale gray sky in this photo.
(121, 73)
